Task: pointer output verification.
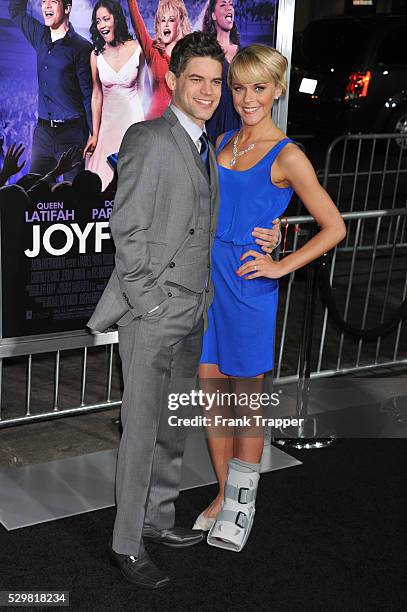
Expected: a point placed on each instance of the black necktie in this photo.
(204, 152)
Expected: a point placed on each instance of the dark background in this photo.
(308, 10)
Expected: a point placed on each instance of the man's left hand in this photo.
(266, 237)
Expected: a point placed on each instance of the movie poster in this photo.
(56, 258)
(68, 99)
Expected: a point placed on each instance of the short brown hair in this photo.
(196, 44)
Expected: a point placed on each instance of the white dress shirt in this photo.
(193, 130)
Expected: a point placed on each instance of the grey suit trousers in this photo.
(160, 354)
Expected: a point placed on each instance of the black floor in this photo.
(328, 535)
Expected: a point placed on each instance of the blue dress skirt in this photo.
(242, 317)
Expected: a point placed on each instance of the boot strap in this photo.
(238, 518)
(242, 495)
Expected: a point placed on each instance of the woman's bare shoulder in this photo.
(292, 153)
(219, 140)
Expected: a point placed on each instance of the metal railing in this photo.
(47, 355)
(367, 172)
(368, 284)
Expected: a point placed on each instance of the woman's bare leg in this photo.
(243, 443)
(248, 441)
(220, 445)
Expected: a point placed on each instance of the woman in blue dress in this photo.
(259, 168)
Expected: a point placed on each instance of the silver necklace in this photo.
(237, 153)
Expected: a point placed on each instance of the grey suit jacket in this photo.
(155, 207)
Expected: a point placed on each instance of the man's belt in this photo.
(58, 123)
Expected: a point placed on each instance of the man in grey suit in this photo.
(163, 224)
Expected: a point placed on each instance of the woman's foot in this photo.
(234, 522)
(214, 508)
(207, 518)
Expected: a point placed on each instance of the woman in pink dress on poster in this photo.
(117, 63)
(171, 24)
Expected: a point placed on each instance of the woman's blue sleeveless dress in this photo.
(242, 317)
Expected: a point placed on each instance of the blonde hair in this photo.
(259, 64)
(183, 27)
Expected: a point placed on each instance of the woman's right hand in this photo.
(90, 146)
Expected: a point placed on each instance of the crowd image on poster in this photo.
(74, 75)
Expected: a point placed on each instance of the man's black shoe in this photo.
(139, 570)
(176, 537)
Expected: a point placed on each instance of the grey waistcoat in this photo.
(182, 269)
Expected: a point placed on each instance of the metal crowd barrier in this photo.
(46, 355)
(366, 299)
(366, 172)
(320, 276)
(367, 274)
